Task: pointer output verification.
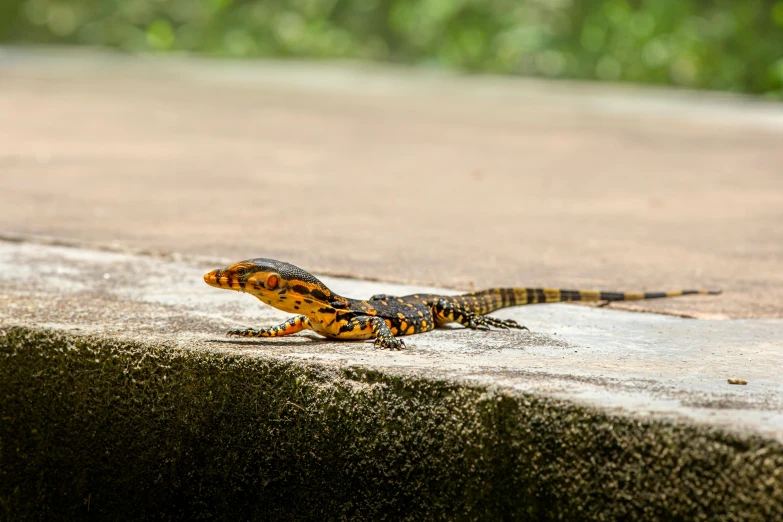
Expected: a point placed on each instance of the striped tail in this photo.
(493, 299)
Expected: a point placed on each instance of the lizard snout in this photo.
(213, 278)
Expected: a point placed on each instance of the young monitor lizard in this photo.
(291, 289)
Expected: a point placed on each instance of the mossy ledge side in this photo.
(115, 430)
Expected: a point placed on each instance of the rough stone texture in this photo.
(400, 175)
(118, 430)
(123, 399)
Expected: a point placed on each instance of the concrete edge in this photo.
(102, 427)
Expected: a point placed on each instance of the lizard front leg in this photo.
(446, 312)
(293, 325)
(384, 338)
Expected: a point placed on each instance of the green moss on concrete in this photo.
(128, 431)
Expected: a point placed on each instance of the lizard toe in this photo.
(389, 343)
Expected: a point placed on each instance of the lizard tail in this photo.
(553, 295)
(496, 298)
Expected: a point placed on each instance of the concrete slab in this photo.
(400, 175)
(642, 365)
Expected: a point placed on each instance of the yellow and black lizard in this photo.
(382, 317)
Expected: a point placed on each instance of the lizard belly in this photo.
(340, 324)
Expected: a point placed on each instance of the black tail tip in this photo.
(714, 292)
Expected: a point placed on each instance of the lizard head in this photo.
(279, 284)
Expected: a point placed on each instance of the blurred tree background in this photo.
(731, 45)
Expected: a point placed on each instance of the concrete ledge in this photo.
(126, 430)
(122, 398)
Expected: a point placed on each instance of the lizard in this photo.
(384, 317)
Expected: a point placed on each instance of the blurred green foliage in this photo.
(733, 45)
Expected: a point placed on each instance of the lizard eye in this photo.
(241, 271)
(272, 282)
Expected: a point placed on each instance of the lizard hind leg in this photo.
(293, 325)
(446, 312)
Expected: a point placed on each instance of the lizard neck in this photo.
(301, 297)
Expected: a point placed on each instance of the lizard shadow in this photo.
(311, 340)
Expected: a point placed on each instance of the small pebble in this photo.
(738, 381)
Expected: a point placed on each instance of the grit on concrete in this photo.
(403, 176)
(637, 364)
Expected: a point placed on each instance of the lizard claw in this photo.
(389, 342)
(503, 324)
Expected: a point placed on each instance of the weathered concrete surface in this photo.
(400, 175)
(636, 363)
(596, 414)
